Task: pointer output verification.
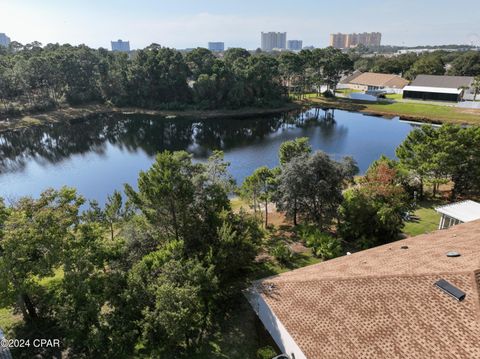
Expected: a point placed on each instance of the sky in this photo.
(238, 23)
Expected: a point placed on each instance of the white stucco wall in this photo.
(273, 325)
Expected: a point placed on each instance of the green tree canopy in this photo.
(310, 186)
(372, 213)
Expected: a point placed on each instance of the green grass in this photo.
(420, 109)
(270, 268)
(237, 203)
(411, 110)
(347, 92)
(425, 220)
(394, 96)
(8, 319)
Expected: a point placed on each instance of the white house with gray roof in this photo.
(439, 88)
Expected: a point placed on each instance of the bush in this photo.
(328, 94)
(322, 244)
(369, 219)
(282, 253)
(266, 353)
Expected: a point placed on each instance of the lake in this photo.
(99, 155)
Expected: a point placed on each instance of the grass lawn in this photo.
(237, 203)
(347, 92)
(394, 96)
(8, 319)
(425, 219)
(414, 111)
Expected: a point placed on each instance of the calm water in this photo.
(99, 155)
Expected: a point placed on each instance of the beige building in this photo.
(347, 41)
(372, 81)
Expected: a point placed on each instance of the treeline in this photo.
(461, 63)
(39, 78)
(36, 78)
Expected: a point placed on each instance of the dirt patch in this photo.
(298, 247)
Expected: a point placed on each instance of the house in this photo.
(407, 299)
(371, 82)
(456, 213)
(438, 88)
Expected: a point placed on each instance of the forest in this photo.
(36, 78)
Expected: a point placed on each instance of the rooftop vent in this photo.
(453, 254)
(450, 289)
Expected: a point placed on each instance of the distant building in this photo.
(374, 82)
(338, 41)
(438, 88)
(4, 40)
(216, 46)
(294, 45)
(347, 41)
(425, 50)
(274, 40)
(120, 45)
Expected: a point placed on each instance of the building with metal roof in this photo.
(438, 88)
(456, 213)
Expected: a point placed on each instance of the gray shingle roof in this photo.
(442, 81)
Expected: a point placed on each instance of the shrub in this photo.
(266, 353)
(282, 253)
(328, 94)
(322, 244)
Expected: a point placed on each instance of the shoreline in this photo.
(74, 113)
(450, 115)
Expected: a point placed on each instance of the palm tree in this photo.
(464, 88)
(476, 87)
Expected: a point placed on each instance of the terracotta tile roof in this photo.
(379, 80)
(382, 302)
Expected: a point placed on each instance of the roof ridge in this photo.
(295, 279)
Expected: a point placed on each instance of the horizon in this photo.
(191, 25)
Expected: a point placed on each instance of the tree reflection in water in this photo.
(53, 143)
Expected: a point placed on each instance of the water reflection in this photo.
(54, 143)
(98, 155)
